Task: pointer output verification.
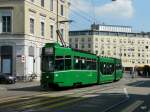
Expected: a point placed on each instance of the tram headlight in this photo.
(47, 77)
(56, 75)
(49, 50)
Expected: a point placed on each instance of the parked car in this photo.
(4, 78)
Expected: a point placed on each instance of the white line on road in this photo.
(133, 106)
(126, 92)
(140, 83)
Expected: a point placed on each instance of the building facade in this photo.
(111, 28)
(25, 26)
(132, 48)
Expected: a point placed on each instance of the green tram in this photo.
(66, 67)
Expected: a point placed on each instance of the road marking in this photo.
(126, 92)
(65, 97)
(24, 102)
(80, 94)
(15, 98)
(133, 106)
(70, 97)
(64, 103)
(116, 105)
(140, 83)
(79, 97)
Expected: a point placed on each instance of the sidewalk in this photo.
(18, 85)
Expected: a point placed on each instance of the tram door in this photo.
(6, 60)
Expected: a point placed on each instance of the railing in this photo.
(27, 78)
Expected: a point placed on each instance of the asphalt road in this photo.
(126, 95)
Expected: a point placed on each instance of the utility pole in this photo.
(57, 19)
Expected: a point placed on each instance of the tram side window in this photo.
(106, 68)
(77, 62)
(103, 68)
(93, 64)
(89, 64)
(59, 63)
(83, 64)
(67, 62)
(110, 68)
(47, 63)
(118, 66)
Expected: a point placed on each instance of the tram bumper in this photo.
(47, 79)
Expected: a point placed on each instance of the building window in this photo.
(96, 52)
(42, 3)
(6, 24)
(42, 28)
(89, 45)
(82, 39)
(82, 46)
(89, 39)
(70, 40)
(139, 55)
(76, 39)
(31, 26)
(51, 31)
(51, 5)
(102, 52)
(62, 10)
(76, 45)
(32, 0)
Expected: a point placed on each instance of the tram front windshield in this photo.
(48, 61)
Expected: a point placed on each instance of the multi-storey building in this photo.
(132, 48)
(25, 26)
(111, 28)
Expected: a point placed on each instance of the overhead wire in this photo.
(94, 14)
(84, 17)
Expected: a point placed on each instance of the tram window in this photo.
(59, 63)
(67, 62)
(83, 64)
(110, 69)
(93, 64)
(118, 66)
(102, 68)
(88, 64)
(106, 68)
(47, 63)
(77, 63)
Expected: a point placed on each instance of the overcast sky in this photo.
(133, 13)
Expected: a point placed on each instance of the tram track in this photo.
(55, 98)
(21, 96)
(12, 103)
(65, 100)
